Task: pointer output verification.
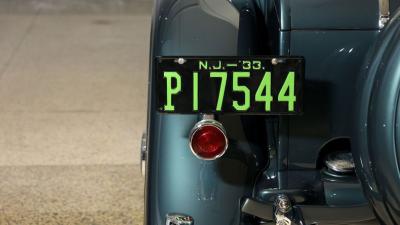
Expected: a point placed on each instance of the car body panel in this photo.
(328, 14)
(177, 181)
(264, 152)
(331, 73)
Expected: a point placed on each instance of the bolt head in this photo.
(282, 203)
(181, 61)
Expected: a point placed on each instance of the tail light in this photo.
(208, 140)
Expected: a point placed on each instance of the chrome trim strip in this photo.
(143, 154)
(384, 13)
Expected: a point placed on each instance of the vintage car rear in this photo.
(296, 165)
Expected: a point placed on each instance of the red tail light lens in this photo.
(208, 140)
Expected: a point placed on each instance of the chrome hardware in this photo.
(180, 61)
(384, 13)
(178, 219)
(282, 203)
(282, 220)
(340, 162)
(143, 154)
(282, 207)
(207, 116)
(276, 61)
(208, 122)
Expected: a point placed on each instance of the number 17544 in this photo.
(263, 93)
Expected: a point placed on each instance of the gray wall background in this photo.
(73, 76)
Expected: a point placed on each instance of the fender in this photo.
(176, 181)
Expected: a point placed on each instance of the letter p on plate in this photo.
(172, 90)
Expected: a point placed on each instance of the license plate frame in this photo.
(176, 86)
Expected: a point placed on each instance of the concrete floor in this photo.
(73, 77)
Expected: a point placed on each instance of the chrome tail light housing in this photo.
(208, 140)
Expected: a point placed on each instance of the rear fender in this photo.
(176, 181)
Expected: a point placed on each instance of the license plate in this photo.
(214, 85)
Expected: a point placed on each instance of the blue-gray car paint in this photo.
(376, 124)
(211, 191)
(176, 180)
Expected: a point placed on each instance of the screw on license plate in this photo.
(180, 61)
(276, 61)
